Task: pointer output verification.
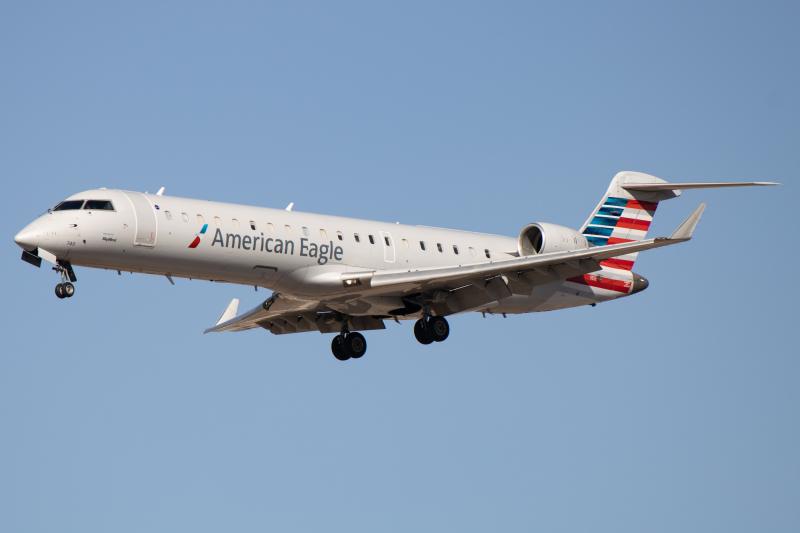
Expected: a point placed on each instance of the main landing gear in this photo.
(353, 345)
(431, 329)
(348, 345)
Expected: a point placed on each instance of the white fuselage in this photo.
(300, 255)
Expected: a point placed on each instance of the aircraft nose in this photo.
(640, 283)
(28, 238)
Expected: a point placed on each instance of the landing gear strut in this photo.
(431, 329)
(348, 345)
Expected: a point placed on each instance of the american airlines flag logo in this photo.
(198, 237)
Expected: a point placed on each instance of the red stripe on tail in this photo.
(639, 204)
(616, 240)
(630, 223)
(617, 263)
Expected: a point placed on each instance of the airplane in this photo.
(345, 275)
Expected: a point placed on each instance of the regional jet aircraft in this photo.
(346, 275)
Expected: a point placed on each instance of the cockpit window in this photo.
(68, 205)
(104, 205)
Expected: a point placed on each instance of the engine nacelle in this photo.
(543, 238)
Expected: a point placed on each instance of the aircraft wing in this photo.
(281, 315)
(559, 265)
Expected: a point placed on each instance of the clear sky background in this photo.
(677, 409)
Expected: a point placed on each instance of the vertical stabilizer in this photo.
(624, 215)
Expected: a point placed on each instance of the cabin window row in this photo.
(324, 235)
(439, 247)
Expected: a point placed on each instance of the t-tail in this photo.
(628, 207)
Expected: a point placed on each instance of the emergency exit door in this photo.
(388, 247)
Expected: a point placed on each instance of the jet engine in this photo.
(543, 238)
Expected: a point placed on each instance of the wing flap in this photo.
(275, 306)
(281, 315)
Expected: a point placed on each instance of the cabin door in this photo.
(146, 224)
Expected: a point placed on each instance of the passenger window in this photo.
(69, 205)
(235, 223)
(488, 255)
(270, 227)
(252, 225)
(305, 231)
(185, 217)
(405, 243)
(217, 221)
(99, 205)
(371, 240)
(455, 249)
(166, 214)
(200, 219)
(323, 234)
(422, 245)
(386, 240)
(288, 229)
(355, 235)
(439, 246)
(339, 235)
(472, 251)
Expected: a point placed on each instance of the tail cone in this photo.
(640, 283)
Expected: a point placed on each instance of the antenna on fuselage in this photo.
(160, 191)
(291, 205)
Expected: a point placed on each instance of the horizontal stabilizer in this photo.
(684, 231)
(229, 313)
(684, 186)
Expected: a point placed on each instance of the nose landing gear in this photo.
(65, 289)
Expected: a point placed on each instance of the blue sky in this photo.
(676, 409)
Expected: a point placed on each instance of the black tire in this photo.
(421, 333)
(438, 328)
(60, 291)
(338, 349)
(69, 289)
(355, 345)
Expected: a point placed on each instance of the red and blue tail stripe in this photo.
(619, 220)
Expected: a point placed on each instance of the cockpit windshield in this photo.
(68, 205)
(104, 205)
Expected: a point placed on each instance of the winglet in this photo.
(684, 231)
(230, 312)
